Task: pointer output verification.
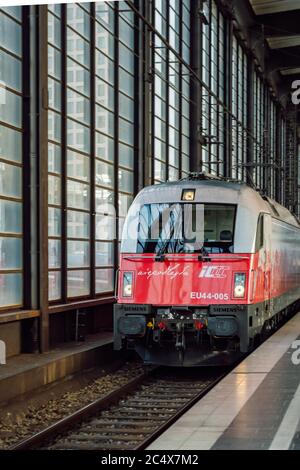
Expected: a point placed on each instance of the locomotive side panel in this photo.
(285, 264)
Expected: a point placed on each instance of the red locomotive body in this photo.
(203, 300)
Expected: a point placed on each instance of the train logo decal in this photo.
(214, 272)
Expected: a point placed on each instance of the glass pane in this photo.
(78, 195)
(78, 48)
(86, 6)
(54, 90)
(104, 174)
(160, 108)
(78, 19)
(126, 107)
(10, 71)
(124, 204)
(104, 147)
(173, 137)
(173, 157)
(159, 170)
(10, 253)
(185, 163)
(10, 180)
(13, 11)
(104, 280)
(120, 228)
(126, 82)
(104, 120)
(78, 254)
(125, 181)
(126, 130)
(105, 227)
(10, 217)
(54, 253)
(104, 198)
(78, 224)
(54, 158)
(54, 222)
(10, 144)
(78, 77)
(55, 8)
(173, 174)
(126, 33)
(105, 14)
(54, 126)
(125, 12)
(160, 126)
(10, 34)
(104, 254)
(54, 284)
(78, 136)
(54, 62)
(11, 108)
(11, 290)
(54, 29)
(104, 40)
(160, 150)
(105, 67)
(54, 190)
(126, 156)
(104, 94)
(78, 107)
(78, 283)
(78, 166)
(126, 57)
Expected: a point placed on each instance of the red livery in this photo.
(206, 267)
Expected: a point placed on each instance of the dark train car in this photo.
(206, 266)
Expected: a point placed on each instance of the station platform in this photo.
(255, 407)
(28, 372)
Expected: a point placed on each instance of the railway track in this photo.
(130, 417)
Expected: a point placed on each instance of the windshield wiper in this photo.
(160, 257)
(204, 256)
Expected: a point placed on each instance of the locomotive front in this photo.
(184, 274)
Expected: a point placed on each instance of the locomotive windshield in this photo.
(183, 228)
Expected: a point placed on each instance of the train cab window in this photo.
(219, 222)
(166, 228)
(259, 233)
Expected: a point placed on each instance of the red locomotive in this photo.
(206, 266)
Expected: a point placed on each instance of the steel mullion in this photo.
(167, 103)
(210, 80)
(43, 176)
(64, 212)
(180, 90)
(218, 136)
(93, 152)
(29, 262)
(116, 133)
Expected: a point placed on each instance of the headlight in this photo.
(239, 285)
(127, 284)
(188, 195)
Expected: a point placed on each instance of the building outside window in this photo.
(11, 158)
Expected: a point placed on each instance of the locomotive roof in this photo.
(216, 191)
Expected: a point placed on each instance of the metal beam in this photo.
(264, 7)
(196, 102)
(283, 42)
(43, 175)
